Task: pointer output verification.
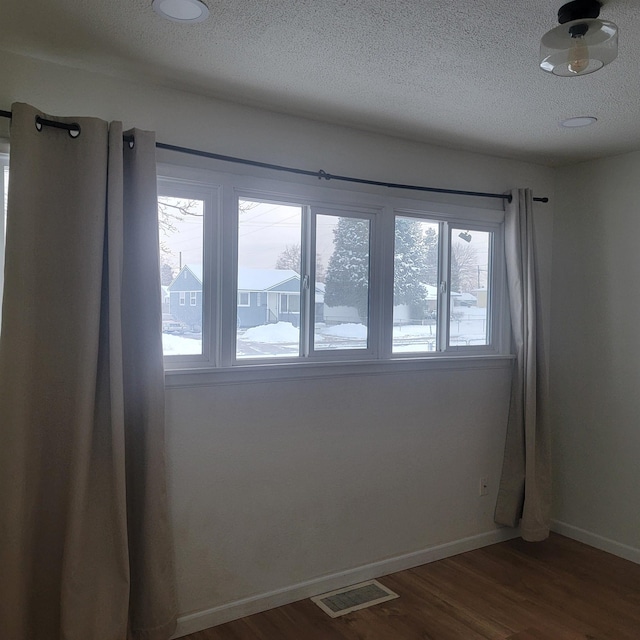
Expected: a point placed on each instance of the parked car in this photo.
(171, 325)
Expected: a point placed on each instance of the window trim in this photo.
(221, 232)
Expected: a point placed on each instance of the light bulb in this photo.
(578, 55)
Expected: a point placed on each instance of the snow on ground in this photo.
(272, 333)
(173, 345)
(470, 329)
(414, 330)
(348, 330)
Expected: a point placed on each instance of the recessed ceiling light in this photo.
(181, 10)
(580, 121)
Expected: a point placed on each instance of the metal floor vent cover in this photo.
(358, 596)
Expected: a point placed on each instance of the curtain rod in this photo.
(74, 130)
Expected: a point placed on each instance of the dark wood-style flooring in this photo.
(555, 590)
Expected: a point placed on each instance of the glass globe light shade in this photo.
(579, 47)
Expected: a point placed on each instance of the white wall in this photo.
(595, 369)
(275, 484)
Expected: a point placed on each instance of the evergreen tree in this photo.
(347, 278)
(410, 263)
(430, 242)
(415, 263)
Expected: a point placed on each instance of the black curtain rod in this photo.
(74, 130)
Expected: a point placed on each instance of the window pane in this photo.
(415, 285)
(469, 289)
(269, 237)
(342, 292)
(181, 229)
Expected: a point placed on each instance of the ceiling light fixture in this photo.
(578, 121)
(181, 10)
(581, 44)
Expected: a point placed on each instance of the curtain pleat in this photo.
(524, 495)
(85, 546)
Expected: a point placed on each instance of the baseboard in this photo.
(240, 608)
(594, 540)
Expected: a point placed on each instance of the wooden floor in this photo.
(555, 590)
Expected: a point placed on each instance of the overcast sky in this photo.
(266, 230)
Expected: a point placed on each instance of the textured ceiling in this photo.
(463, 73)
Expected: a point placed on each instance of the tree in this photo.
(415, 262)
(347, 279)
(170, 212)
(290, 259)
(166, 274)
(464, 267)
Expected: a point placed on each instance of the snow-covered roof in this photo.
(431, 291)
(468, 297)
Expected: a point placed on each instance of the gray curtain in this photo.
(85, 545)
(524, 495)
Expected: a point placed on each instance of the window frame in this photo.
(220, 279)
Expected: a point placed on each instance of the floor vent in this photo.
(358, 596)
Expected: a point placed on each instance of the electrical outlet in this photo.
(484, 486)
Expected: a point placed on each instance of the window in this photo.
(436, 280)
(289, 303)
(342, 283)
(312, 274)
(469, 288)
(269, 262)
(416, 285)
(181, 214)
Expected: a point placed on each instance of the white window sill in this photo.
(178, 378)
